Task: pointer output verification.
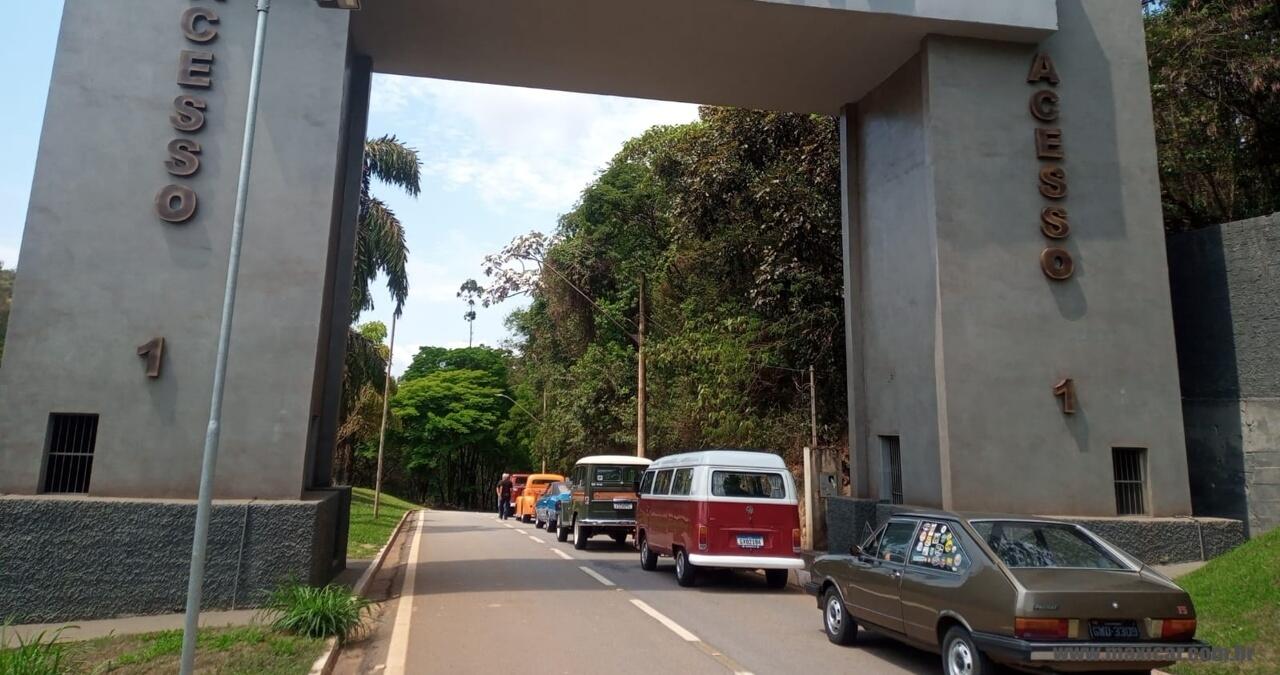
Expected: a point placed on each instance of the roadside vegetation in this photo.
(1237, 598)
(367, 536)
(247, 650)
(317, 611)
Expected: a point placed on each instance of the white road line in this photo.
(662, 619)
(398, 651)
(537, 539)
(562, 554)
(596, 575)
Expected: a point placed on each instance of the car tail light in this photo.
(1041, 629)
(795, 539)
(702, 538)
(1178, 629)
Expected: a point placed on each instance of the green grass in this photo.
(38, 655)
(367, 536)
(1237, 599)
(246, 650)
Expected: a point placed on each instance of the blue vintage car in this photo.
(547, 509)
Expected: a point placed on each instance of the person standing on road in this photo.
(504, 496)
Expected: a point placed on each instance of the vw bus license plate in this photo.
(623, 506)
(750, 541)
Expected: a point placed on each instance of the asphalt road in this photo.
(465, 593)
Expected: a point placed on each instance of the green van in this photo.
(603, 495)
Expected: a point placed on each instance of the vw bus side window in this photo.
(682, 482)
(662, 482)
(646, 483)
(751, 484)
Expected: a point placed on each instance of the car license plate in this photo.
(750, 541)
(623, 506)
(1113, 630)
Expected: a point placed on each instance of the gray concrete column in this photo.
(102, 273)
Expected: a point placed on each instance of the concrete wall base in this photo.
(1155, 541)
(69, 558)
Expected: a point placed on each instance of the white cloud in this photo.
(516, 147)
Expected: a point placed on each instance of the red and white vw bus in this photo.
(720, 508)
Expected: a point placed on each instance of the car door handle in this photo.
(897, 574)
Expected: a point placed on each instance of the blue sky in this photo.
(497, 162)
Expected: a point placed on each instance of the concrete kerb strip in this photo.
(325, 663)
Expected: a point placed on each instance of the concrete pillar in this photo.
(957, 335)
(102, 273)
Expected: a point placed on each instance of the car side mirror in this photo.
(855, 550)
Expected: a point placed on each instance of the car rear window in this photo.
(519, 481)
(757, 485)
(1030, 544)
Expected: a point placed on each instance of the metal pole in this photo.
(204, 503)
(382, 430)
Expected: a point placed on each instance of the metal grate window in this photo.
(891, 468)
(69, 452)
(1130, 476)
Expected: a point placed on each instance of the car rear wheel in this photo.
(562, 533)
(776, 578)
(686, 572)
(960, 656)
(840, 627)
(648, 559)
(580, 535)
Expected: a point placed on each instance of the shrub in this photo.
(40, 655)
(329, 611)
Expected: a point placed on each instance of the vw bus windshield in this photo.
(750, 484)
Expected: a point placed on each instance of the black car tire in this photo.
(580, 535)
(537, 521)
(620, 538)
(551, 526)
(776, 578)
(839, 626)
(686, 572)
(526, 518)
(648, 559)
(960, 656)
(562, 533)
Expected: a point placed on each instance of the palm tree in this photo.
(380, 247)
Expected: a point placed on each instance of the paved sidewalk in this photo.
(131, 625)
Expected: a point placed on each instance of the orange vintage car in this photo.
(526, 503)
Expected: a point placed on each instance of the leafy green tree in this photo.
(735, 222)
(458, 428)
(1215, 85)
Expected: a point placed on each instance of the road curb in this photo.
(325, 663)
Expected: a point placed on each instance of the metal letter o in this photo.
(1057, 263)
(176, 203)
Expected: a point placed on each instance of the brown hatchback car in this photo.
(1030, 593)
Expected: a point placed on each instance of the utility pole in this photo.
(382, 431)
(813, 411)
(544, 416)
(640, 384)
